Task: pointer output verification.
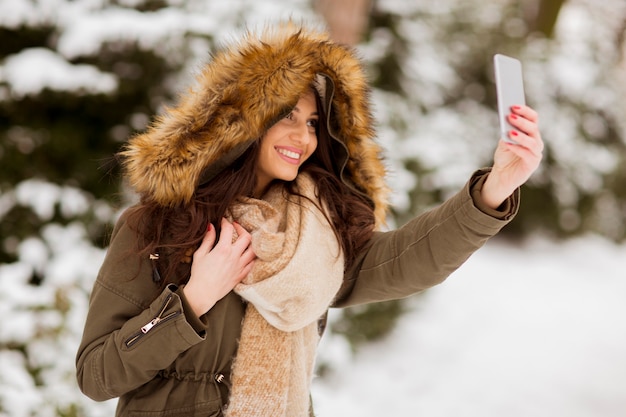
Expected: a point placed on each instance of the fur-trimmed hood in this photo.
(242, 91)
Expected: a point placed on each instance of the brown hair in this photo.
(175, 232)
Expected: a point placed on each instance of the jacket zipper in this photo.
(152, 323)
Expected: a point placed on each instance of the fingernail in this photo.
(513, 116)
(514, 133)
(516, 107)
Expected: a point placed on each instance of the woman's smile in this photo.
(291, 155)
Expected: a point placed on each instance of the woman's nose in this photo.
(300, 133)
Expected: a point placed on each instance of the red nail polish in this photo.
(514, 133)
(513, 116)
(516, 107)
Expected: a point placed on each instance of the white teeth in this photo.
(289, 154)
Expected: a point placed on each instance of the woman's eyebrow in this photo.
(297, 110)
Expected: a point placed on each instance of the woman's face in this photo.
(287, 144)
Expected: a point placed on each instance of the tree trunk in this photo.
(346, 19)
(544, 20)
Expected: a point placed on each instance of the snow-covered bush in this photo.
(44, 299)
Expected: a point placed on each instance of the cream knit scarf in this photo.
(295, 278)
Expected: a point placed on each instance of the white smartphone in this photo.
(509, 89)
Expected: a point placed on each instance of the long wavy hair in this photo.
(175, 232)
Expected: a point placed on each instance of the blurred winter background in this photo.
(532, 325)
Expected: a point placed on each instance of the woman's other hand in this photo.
(514, 163)
(216, 270)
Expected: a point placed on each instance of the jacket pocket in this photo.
(158, 320)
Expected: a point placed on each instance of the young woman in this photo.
(261, 195)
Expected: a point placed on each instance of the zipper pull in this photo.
(145, 329)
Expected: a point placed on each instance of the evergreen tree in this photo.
(77, 78)
(432, 64)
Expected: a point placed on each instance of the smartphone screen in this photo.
(509, 89)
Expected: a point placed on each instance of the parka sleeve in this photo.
(426, 250)
(133, 330)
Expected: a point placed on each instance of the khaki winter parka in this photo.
(145, 345)
(149, 349)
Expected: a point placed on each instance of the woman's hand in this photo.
(514, 163)
(216, 270)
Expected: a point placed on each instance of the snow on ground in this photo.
(533, 330)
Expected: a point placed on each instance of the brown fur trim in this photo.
(245, 88)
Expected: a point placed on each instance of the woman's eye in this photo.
(312, 123)
(289, 116)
